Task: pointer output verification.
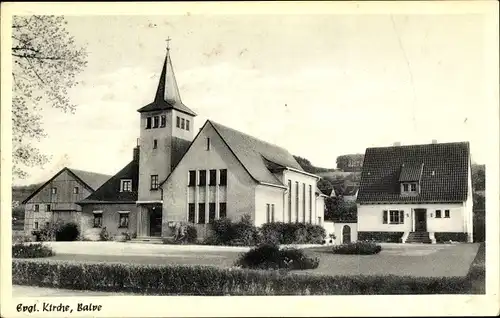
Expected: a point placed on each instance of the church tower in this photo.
(166, 132)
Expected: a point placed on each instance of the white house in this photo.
(416, 193)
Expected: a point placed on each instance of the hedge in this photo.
(357, 248)
(205, 280)
(31, 250)
(270, 256)
(385, 237)
(292, 233)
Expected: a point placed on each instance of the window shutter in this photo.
(384, 217)
(401, 217)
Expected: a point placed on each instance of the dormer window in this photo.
(413, 187)
(125, 185)
(409, 187)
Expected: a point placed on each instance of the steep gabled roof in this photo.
(167, 94)
(91, 180)
(443, 177)
(109, 192)
(256, 155)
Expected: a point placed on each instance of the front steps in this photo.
(147, 239)
(419, 237)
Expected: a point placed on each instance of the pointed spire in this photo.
(167, 94)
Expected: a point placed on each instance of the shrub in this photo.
(104, 235)
(270, 256)
(183, 233)
(445, 237)
(292, 233)
(223, 232)
(32, 250)
(67, 232)
(246, 232)
(226, 232)
(171, 279)
(359, 248)
(385, 237)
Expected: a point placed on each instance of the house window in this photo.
(289, 200)
(123, 220)
(268, 213)
(126, 185)
(154, 182)
(191, 213)
(201, 213)
(310, 203)
(413, 187)
(155, 143)
(393, 216)
(183, 123)
(203, 178)
(37, 208)
(211, 212)
(36, 225)
(48, 207)
(178, 122)
(272, 212)
(405, 187)
(156, 122)
(208, 143)
(192, 178)
(163, 121)
(222, 210)
(438, 214)
(213, 177)
(296, 201)
(187, 125)
(304, 202)
(148, 123)
(75, 190)
(97, 219)
(447, 214)
(223, 177)
(54, 190)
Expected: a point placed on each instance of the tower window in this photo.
(208, 143)
(178, 123)
(213, 177)
(223, 177)
(54, 190)
(211, 212)
(75, 190)
(192, 178)
(48, 207)
(154, 182)
(183, 123)
(163, 122)
(187, 125)
(191, 213)
(222, 210)
(156, 122)
(155, 143)
(37, 208)
(148, 123)
(201, 213)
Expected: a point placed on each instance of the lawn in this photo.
(401, 260)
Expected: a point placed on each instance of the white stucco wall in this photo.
(268, 195)
(370, 217)
(299, 209)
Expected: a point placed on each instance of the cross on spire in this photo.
(168, 42)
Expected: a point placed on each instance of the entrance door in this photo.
(155, 221)
(420, 220)
(346, 234)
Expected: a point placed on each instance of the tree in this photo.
(45, 61)
(478, 177)
(351, 162)
(325, 186)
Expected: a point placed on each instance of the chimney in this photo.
(434, 141)
(136, 154)
(397, 144)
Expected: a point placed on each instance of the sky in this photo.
(318, 85)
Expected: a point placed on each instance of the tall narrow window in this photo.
(36, 225)
(37, 208)
(384, 217)
(268, 213)
(222, 210)
(155, 143)
(156, 122)
(75, 190)
(48, 207)
(192, 178)
(296, 201)
(148, 123)
(187, 125)
(191, 213)
(310, 203)
(54, 190)
(154, 182)
(223, 177)
(178, 122)
(211, 212)
(304, 202)
(201, 213)
(183, 123)
(272, 212)
(213, 177)
(203, 178)
(289, 200)
(208, 143)
(163, 122)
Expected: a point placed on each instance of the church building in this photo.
(176, 176)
